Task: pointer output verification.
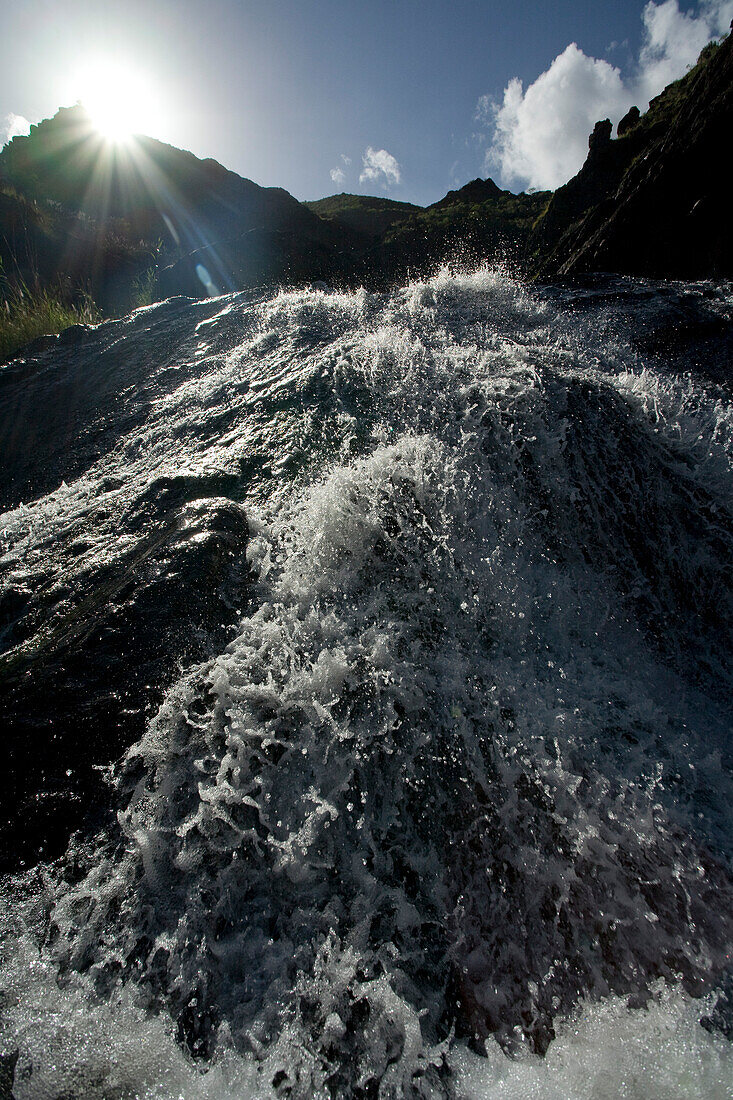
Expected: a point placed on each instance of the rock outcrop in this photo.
(600, 138)
(628, 122)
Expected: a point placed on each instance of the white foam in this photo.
(67, 1042)
(608, 1052)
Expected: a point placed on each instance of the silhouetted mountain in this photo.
(477, 190)
(479, 222)
(366, 216)
(191, 213)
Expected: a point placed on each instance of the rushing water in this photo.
(442, 806)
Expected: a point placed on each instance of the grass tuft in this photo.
(26, 314)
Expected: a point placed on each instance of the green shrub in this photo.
(26, 314)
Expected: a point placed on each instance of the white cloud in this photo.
(541, 133)
(379, 163)
(337, 174)
(673, 40)
(13, 126)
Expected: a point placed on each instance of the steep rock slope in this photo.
(655, 200)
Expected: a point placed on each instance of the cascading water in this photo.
(445, 810)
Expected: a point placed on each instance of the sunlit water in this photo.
(450, 814)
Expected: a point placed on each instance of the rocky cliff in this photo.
(655, 200)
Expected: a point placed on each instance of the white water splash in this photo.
(465, 763)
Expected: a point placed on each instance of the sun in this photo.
(119, 100)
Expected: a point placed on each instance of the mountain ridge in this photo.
(132, 226)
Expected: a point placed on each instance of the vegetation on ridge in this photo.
(367, 215)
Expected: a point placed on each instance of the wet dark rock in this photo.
(73, 334)
(60, 410)
(452, 865)
(7, 1074)
(720, 1019)
(90, 664)
(40, 344)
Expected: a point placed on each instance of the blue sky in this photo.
(406, 98)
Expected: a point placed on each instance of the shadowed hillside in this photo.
(102, 211)
(369, 217)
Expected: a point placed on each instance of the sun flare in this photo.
(119, 100)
